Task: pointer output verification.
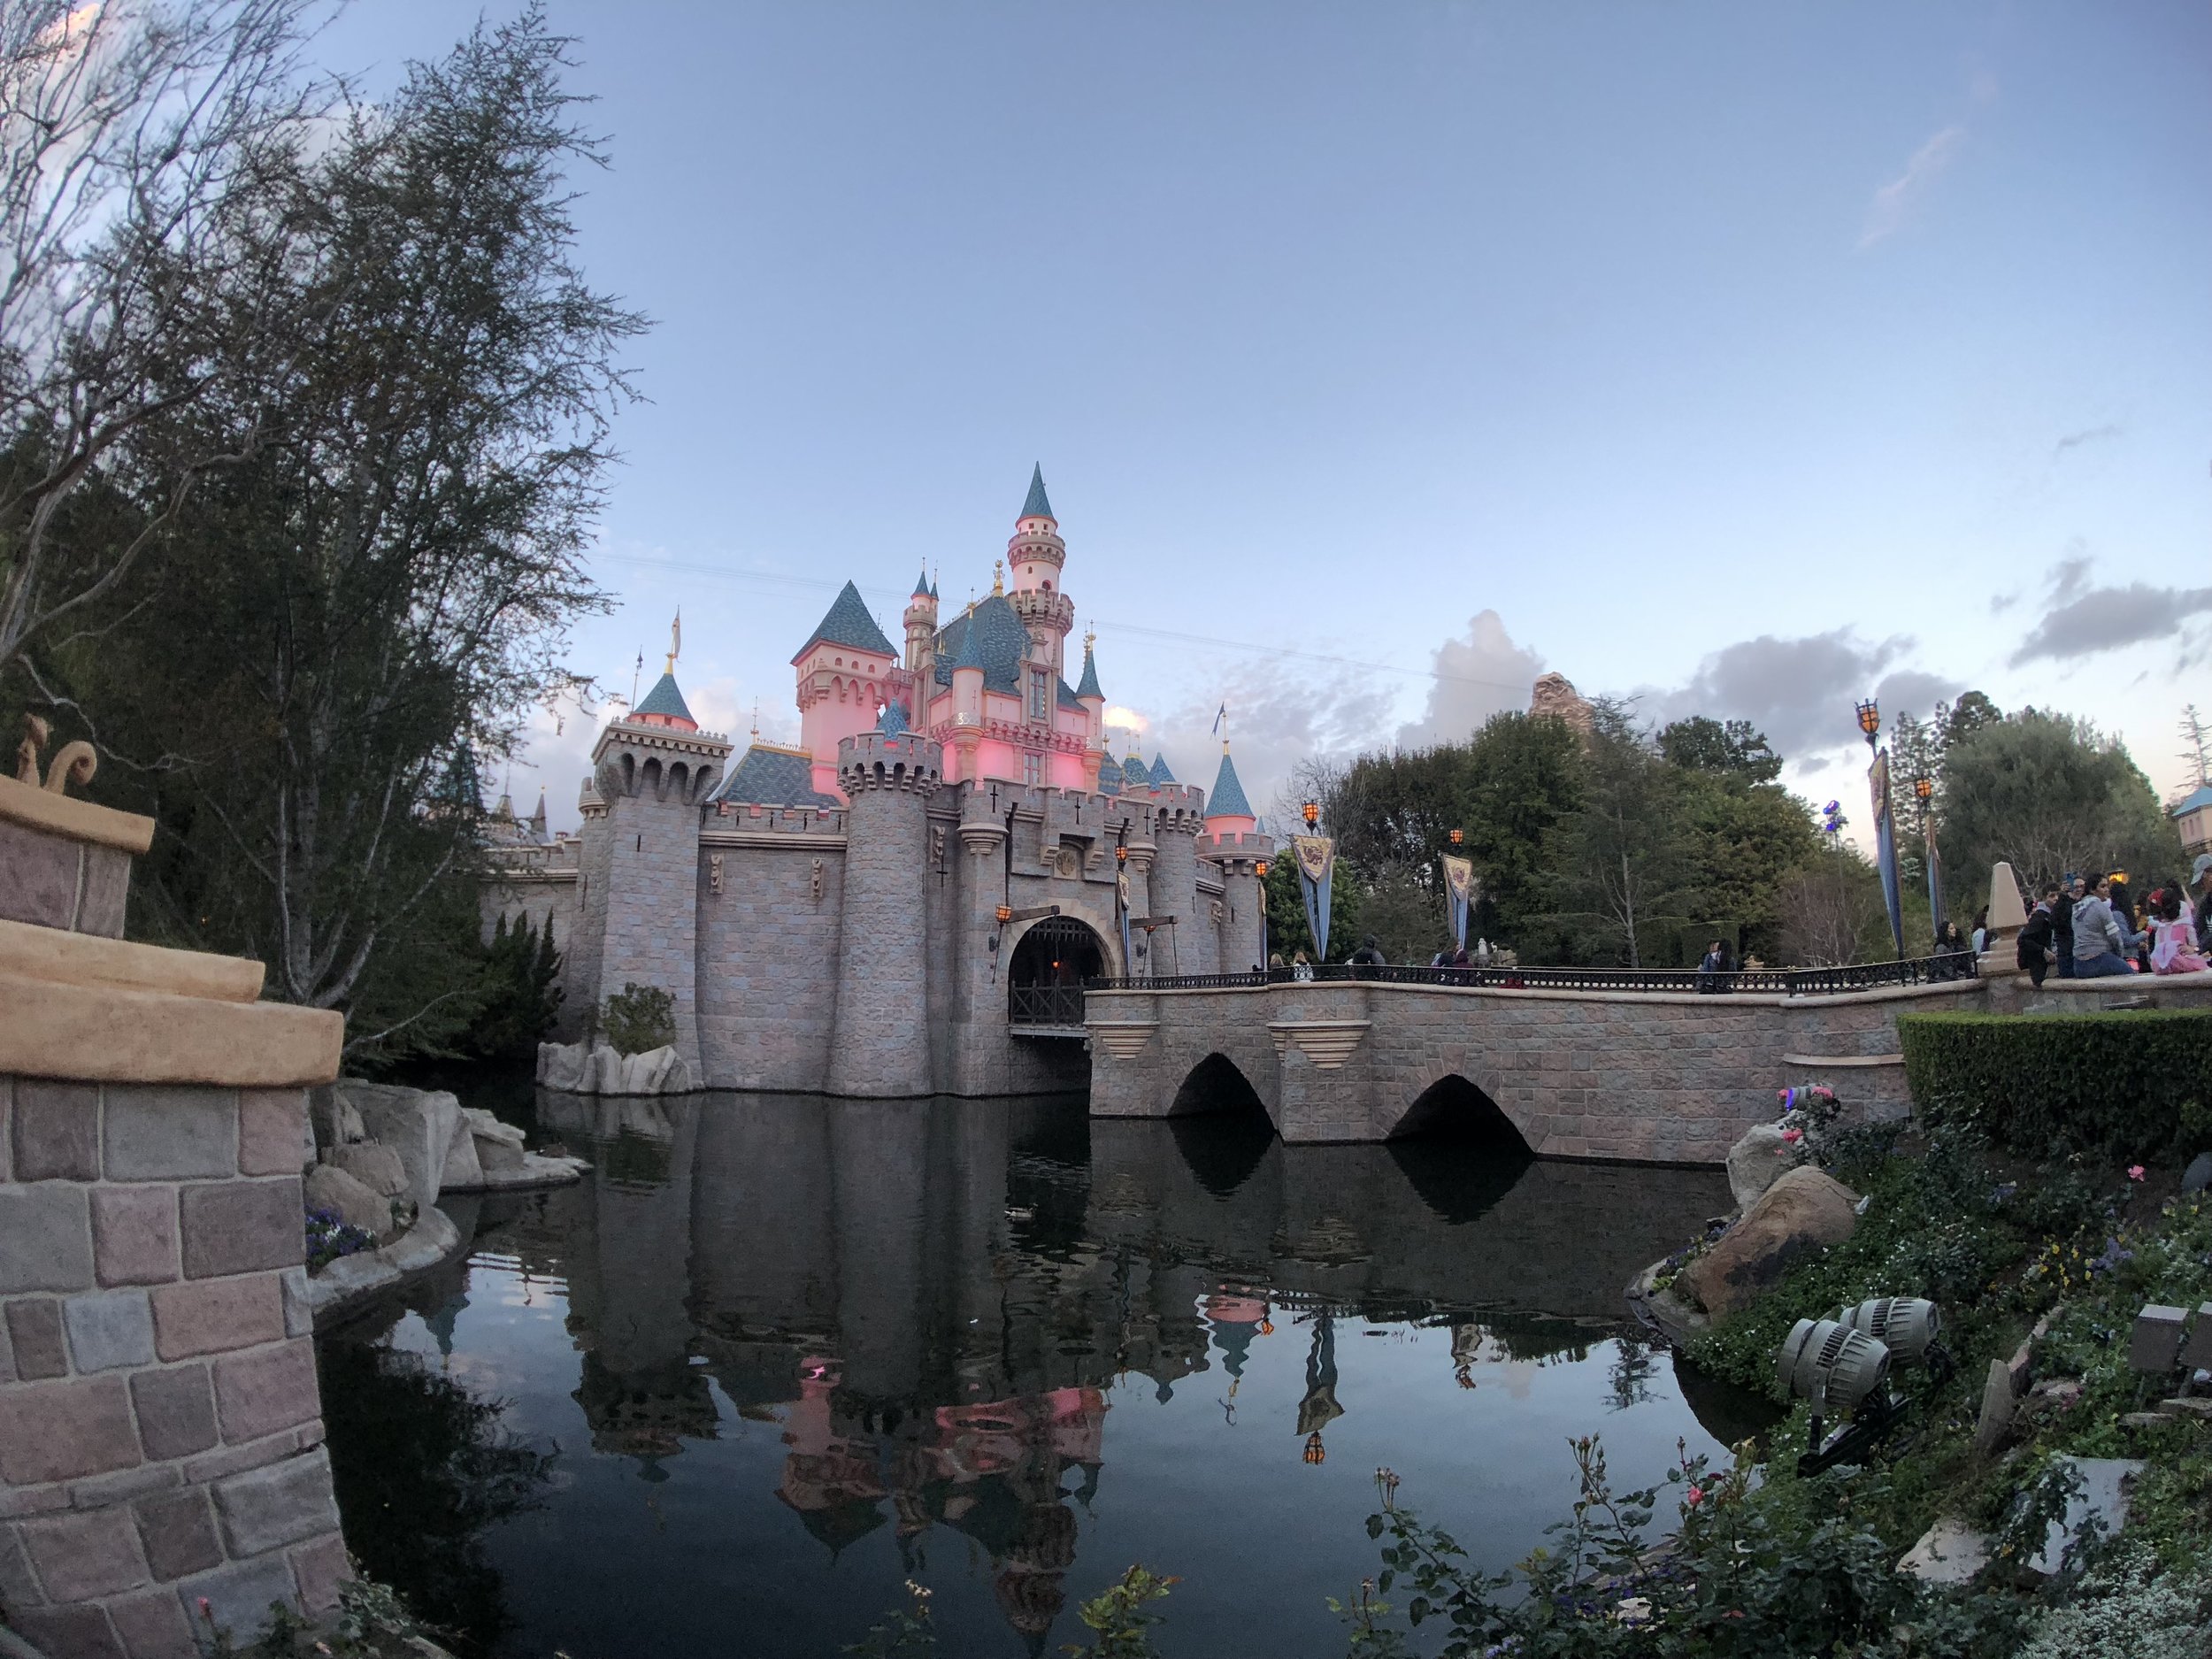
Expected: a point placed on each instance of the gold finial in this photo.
(755, 719)
(675, 639)
(1090, 638)
(998, 576)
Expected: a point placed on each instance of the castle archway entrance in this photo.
(1045, 975)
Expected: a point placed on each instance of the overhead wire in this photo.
(886, 596)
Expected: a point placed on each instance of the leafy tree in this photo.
(1916, 750)
(382, 591)
(1286, 930)
(2049, 794)
(1622, 873)
(639, 1018)
(1972, 713)
(1733, 750)
(138, 289)
(521, 993)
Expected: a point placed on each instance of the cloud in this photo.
(2082, 621)
(1801, 692)
(2088, 434)
(1893, 204)
(1279, 715)
(1478, 676)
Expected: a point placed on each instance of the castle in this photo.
(904, 904)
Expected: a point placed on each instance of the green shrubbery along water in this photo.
(2133, 1085)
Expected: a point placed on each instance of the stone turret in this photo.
(1190, 947)
(1036, 555)
(1094, 701)
(846, 671)
(652, 770)
(920, 622)
(880, 1044)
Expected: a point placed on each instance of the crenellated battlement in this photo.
(873, 761)
(752, 818)
(1236, 844)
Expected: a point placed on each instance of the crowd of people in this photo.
(2090, 927)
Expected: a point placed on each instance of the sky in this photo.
(1741, 360)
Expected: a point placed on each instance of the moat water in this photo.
(777, 1355)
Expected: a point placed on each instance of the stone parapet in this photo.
(160, 1427)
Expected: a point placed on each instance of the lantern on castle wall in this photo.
(1005, 914)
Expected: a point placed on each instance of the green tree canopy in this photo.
(2049, 794)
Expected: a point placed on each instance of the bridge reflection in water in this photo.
(912, 1318)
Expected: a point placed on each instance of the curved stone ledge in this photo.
(87, 959)
(342, 1288)
(58, 814)
(104, 1033)
(1843, 1061)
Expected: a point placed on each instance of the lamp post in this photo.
(1871, 721)
(1924, 788)
(1312, 812)
(1259, 869)
(1884, 820)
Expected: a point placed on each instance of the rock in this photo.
(1758, 1160)
(332, 1119)
(2000, 1404)
(373, 1163)
(417, 1123)
(353, 1279)
(463, 1172)
(2103, 1494)
(561, 1066)
(1949, 1552)
(498, 1145)
(2197, 1406)
(2197, 1176)
(1803, 1211)
(330, 1188)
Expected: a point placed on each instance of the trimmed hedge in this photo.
(2131, 1085)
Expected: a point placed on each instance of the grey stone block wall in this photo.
(160, 1428)
(769, 963)
(1662, 1078)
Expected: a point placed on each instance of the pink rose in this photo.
(2135, 1172)
(1793, 1135)
(1697, 1496)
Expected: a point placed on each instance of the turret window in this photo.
(1038, 706)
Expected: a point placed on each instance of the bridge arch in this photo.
(1218, 1084)
(1451, 1106)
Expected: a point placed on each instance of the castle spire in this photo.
(1039, 505)
(921, 584)
(1088, 687)
(675, 640)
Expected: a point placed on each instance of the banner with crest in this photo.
(1885, 845)
(1317, 865)
(1459, 890)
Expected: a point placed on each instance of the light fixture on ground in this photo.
(1842, 1370)
(1908, 1327)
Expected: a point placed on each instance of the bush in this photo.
(2113, 1085)
(639, 1018)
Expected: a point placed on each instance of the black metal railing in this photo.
(1060, 1005)
(1780, 981)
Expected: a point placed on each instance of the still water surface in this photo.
(776, 1356)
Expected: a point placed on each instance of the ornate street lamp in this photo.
(1923, 785)
(1871, 721)
(1260, 869)
(1121, 854)
(1005, 914)
(1458, 836)
(1316, 1452)
(1312, 812)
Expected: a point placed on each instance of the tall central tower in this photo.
(1035, 554)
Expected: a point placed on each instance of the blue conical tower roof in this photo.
(1039, 505)
(847, 622)
(893, 720)
(665, 699)
(1088, 687)
(1133, 776)
(1159, 773)
(1227, 799)
(1109, 776)
(971, 646)
(921, 584)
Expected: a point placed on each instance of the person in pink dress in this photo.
(2173, 944)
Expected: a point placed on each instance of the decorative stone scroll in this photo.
(1123, 1039)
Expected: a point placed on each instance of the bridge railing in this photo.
(1783, 981)
(1060, 1005)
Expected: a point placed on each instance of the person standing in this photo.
(2037, 938)
(2070, 890)
(2098, 939)
(1981, 930)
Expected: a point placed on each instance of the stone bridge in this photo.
(1667, 1077)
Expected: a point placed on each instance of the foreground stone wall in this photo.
(1648, 1077)
(160, 1427)
(163, 1437)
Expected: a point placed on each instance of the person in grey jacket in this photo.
(2099, 940)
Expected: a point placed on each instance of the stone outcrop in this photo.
(1802, 1212)
(418, 1125)
(1555, 695)
(329, 1187)
(1760, 1158)
(573, 1069)
(371, 1163)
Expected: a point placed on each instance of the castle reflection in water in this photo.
(931, 1300)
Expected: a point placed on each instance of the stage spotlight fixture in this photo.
(1842, 1370)
(1908, 1327)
